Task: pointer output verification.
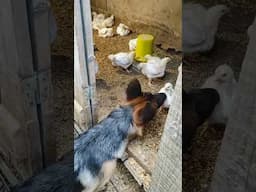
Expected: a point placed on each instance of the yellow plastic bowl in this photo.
(144, 46)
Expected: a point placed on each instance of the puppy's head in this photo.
(144, 104)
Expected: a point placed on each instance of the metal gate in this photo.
(26, 139)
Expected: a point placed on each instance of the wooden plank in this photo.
(145, 158)
(138, 172)
(167, 174)
(40, 42)
(84, 69)
(18, 89)
(16, 33)
(236, 166)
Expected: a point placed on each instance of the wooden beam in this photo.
(167, 175)
(236, 164)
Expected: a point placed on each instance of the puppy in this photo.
(96, 151)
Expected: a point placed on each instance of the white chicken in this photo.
(167, 90)
(132, 44)
(100, 22)
(122, 59)
(109, 21)
(97, 22)
(152, 58)
(200, 26)
(224, 82)
(154, 67)
(99, 16)
(105, 32)
(122, 29)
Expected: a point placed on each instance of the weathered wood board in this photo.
(236, 164)
(167, 174)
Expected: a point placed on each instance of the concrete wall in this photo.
(164, 15)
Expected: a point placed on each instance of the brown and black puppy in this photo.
(144, 104)
(96, 151)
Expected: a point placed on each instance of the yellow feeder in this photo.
(144, 46)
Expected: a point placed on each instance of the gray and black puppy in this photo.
(96, 151)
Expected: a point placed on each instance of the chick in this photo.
(224, 82)
(197, 106)
(122, 30)
(109, 21)
(200, 26)
(97, 22)
(105, 32)
(122, 59)
(132, 44)
(152, 58)
(167, 90)
(98, 16)
(154, 68)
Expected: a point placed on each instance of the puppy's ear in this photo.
(133, 90)
(145, 113)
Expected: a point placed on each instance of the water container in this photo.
(144, 46)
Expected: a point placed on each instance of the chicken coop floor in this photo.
(111, 83)
(230, 48)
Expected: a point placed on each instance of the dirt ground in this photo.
(230, 48)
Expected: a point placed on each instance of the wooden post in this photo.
(85, 68)
(40, 41)
(167, 175)
(20, 129)
(236, 164)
